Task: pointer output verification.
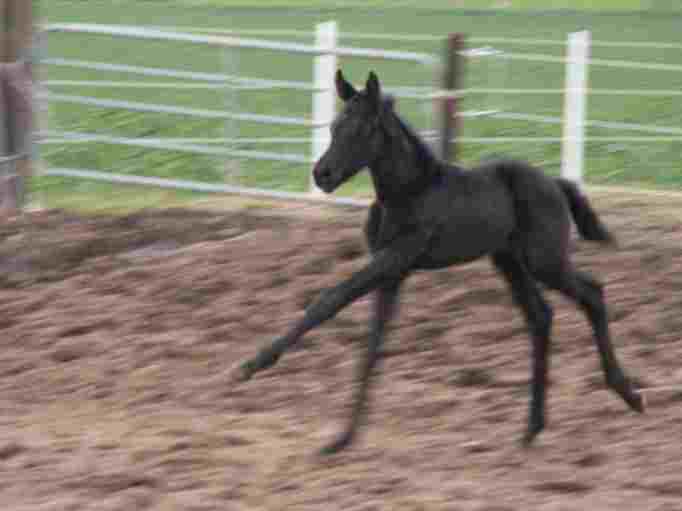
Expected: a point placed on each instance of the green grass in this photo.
(94, 197)
(653, 164)
(621, 5)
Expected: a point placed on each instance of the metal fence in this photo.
(324, 53)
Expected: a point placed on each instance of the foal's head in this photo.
(357, 137)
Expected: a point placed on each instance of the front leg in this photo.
(384, 308)
(388, 264)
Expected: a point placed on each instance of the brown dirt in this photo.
(118, 334)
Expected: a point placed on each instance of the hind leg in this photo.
(588, 294)
(538, 314)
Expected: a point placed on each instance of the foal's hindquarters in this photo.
(539, 251)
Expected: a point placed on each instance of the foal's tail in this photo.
(586, 219)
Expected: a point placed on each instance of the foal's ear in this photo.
(344, 89)
(373, 89)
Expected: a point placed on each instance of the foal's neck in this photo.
(402, 171)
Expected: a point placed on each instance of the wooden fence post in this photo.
(16, 24)
(452, 79)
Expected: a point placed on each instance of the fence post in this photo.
(16, 24)
(572, 148)
(230, 66)
(451, 81)
(324, 98)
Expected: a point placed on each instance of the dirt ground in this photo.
(118, 334)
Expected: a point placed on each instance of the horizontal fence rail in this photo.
(178, 145)
(179, 184)
(622, 64)
(537, 92)
(423, 37)
(221, 80)
(13, 158)
(104, 84)
(54, 137)
(233, 42)
(587, 140)
(663, 130)
(400, 92)
(248, 84)
(140, 70)
(203, 145)
(177, 110)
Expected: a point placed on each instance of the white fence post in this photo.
(324, 99)
(572, 149)
(230, 67)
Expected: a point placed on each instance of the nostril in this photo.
(323, 172)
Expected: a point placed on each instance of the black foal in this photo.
(429, 214)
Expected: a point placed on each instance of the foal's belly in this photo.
(477, 218)
(465, 242)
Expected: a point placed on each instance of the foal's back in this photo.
(482, 210)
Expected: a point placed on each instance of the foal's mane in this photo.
(425, 155)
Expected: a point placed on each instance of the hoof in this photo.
(624, 389)
(240, 373)
(528, 439)
(337, 445)
(531, 434)
(636, 401)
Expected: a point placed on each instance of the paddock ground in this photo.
(118, 333)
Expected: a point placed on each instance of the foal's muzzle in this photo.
(324, 177)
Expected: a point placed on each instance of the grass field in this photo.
(651, 164)
(594, 5)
